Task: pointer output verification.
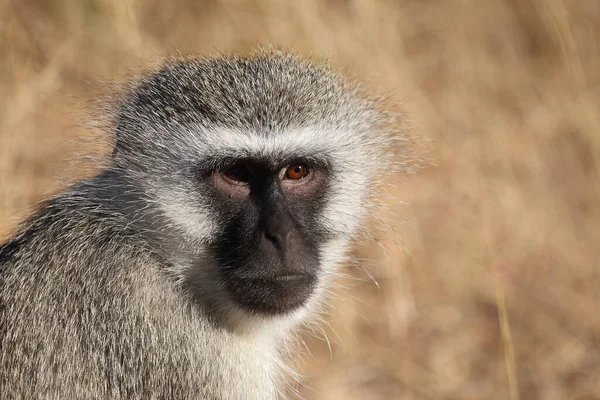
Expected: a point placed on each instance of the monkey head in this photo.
(260, 168)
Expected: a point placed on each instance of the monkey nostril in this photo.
(279, 239)
(273, 238)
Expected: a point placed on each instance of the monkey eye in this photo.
(297, 171)
(237, 174)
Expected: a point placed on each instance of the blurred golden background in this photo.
(488, 279)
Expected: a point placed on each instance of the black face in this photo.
(268, 254)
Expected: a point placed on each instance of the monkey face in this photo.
(260, 221)
(268, 250)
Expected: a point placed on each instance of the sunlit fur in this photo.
(113, 278)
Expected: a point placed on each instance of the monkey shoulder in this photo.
(80, 220)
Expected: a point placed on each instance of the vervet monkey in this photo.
(180, 271)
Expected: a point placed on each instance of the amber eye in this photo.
(237, 174)
(297, 171)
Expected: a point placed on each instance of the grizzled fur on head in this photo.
(267, 92)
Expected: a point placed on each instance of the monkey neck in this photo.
(249, 362)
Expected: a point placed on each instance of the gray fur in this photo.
(95, 298)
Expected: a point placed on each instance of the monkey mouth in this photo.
(272, 295)
(291, 278)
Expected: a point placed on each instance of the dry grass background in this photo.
(490, 289)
